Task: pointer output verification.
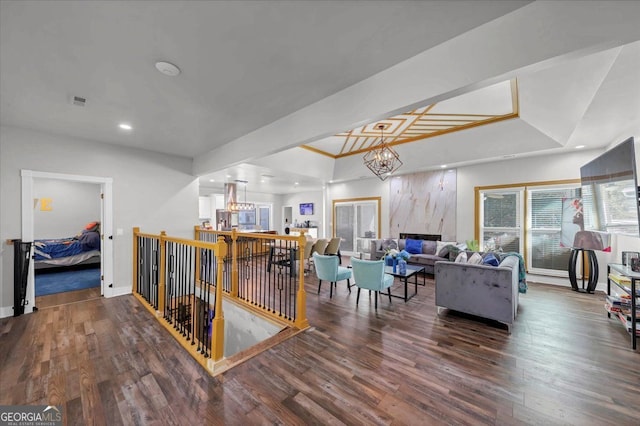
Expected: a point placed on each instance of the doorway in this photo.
(29, 204)
(67, 241)
(287, 218)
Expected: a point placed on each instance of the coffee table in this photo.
(412, 270)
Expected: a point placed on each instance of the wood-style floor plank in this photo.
(108, 361)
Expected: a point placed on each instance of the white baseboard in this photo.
(119, 291)
(6, 311)
(562, 282)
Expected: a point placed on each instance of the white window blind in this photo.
(546, 250)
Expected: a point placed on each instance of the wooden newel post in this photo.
(162, 276)
(217, 351)
(234, 264)
(136, 260)
(301, 321)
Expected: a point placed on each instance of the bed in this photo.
(83, 249)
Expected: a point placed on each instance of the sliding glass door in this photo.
(356, 222)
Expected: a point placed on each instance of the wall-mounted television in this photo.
(306, 209)
(610, 198)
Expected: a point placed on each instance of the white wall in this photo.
(153, 191)
(520, 170)
(294, 200)
(527, 170)
(73, 205)
(367, 187)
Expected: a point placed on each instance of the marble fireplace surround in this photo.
(423, 203)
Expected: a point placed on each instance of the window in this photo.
(528, 218)
(501, 220)
(264, 213)
(549, 251)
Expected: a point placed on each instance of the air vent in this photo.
(77, 100)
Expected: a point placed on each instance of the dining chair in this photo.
(369, 274)
(320, 246)
(306, 256)
(333, 248)
(327, 269)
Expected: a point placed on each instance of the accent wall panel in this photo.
(424, 203)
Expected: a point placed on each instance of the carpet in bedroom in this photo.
(59, 282)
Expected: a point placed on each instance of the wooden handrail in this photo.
(279, 303)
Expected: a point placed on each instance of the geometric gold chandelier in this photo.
(383, 159)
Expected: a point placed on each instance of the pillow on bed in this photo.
(92, 226)
(89, 240)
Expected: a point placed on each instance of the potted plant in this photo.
(473, 245)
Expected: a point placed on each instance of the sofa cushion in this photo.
(475, 259)
(428, 247)
(424, 259)
(388, 243)
(461, 258)
(490, 259)
(413, 246)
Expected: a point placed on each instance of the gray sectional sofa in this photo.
(482, 290)
(427, 258)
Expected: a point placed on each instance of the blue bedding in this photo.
(65, 247)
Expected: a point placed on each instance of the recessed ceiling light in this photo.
(295, 183)
(228, 176)
(262, 180)
(125, 126)
(212, 180)
(167, 68)
(444, 166)
(579, 146)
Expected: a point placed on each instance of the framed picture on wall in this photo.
(306, 209)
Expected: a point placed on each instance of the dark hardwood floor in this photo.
(67, 297)
(107, 361)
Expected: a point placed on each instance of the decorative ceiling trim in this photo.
(414, 126)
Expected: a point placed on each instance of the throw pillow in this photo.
(454, 252)
(413, 246)
(428, 247)
(490, 259)
(461, 258)
(475, 259)
(388, 244)
(441, 248)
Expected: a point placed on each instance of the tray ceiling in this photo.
(488, 105)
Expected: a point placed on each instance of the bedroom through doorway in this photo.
(66, 230)
(69, 220)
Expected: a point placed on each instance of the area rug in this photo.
(60, 282)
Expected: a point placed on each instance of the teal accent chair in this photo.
(327, 269)
(369, 274)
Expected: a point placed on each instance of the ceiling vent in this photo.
(78, 101)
